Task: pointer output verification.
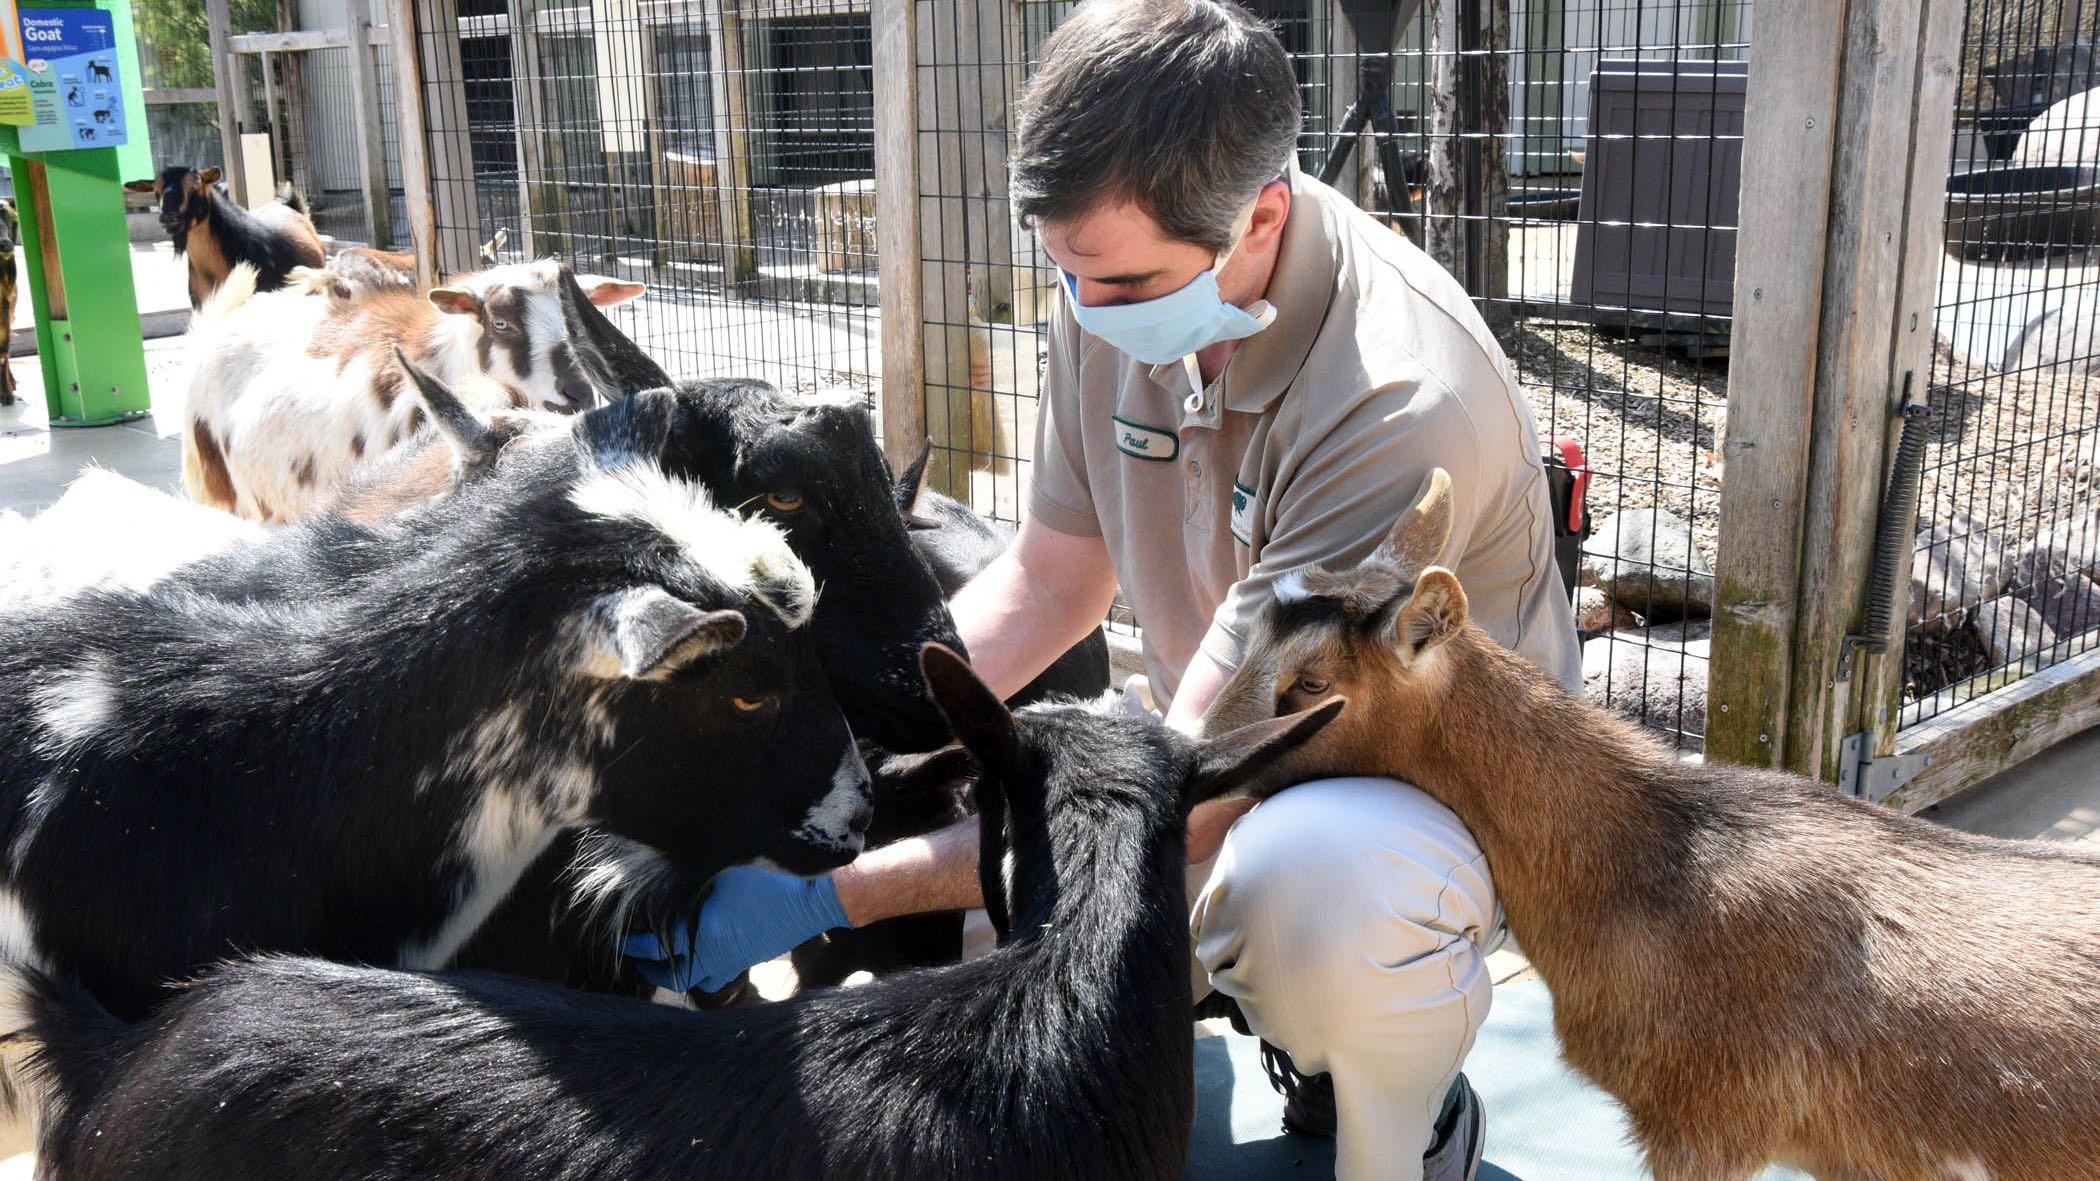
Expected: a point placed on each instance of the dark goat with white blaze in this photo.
(348, 740)
(214, 234)
(1065, 1054)
(958, 544)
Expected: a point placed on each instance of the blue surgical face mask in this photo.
(1172, 327)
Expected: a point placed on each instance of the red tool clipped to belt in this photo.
(1568, 484)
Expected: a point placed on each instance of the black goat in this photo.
(957, 543)
(216, 234)
(1065, 1054)
(350, 740)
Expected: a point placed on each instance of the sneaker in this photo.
(1308, 1099)
(1460, 1134)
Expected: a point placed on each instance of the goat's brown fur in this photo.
(1757, 968)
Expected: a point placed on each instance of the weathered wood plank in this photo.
(226, 75)
(1998, 731)
(1791, 114)
(541, 198)
(898, 245)
(288, 41)
(456, 234)
(169, 96)
(956, 418)
(412, 124)
(1917, 292)
(1468, 164)
(1855, 398)
(726, 81)
(370, 129)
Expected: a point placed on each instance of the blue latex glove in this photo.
(751, 916)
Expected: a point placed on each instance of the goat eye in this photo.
(1311, 686)
(787, 502)
(500, 325)
(749, 705)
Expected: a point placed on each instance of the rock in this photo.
(1597, 612)
(2011, 630)
(2058, 345)
(2052, 575)
(1645, 559)
(1956, 565)
(2066, 133)
(1656, 676)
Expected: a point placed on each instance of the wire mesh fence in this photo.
(2009, 528)
(1575, 163)
(721, 153)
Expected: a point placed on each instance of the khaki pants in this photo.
(1351, 920)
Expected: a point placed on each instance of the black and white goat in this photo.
(350, 740)
(1064, 1054)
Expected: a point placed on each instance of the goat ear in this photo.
(646, 634)
(1236, 760)
(208, 177)
(980, 720)
(634, 429)
(470, 437)
(916, 775)
(911, 491)
(490, 247)
(455, 301)
(1432, 615)
(140, 186)
(606, 293)
(1420, 533)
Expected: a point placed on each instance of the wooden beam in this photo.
(1869, 244)
(732, 135)
(542, 200)
(2000, 730)
(411, 125)
(1787, 143)
(456, 230)
(226, 70)
(1468, 164)
(370, 129)
(952, 418)
(288, 42)
(981, 112)
(898, 244)
(1916, 297)
(169, 96)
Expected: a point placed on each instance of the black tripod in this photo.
(1377, 24)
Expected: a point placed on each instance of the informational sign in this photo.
(74, 92)
(14, 76)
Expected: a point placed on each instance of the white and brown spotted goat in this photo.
(1757, 968)
(290, 393)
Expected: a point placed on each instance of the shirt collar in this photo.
(1302, 289)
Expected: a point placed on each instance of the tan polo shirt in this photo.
(1376, 369)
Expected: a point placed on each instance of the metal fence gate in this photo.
(815, 192)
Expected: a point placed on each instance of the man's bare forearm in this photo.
(1040, 597)
(919, 875)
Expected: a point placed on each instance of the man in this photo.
(1248, 375)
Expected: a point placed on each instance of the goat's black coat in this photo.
(1065, 1054)
(277, 751)
(243, 237)
(958, 544)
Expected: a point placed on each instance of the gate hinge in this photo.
(1872, 779)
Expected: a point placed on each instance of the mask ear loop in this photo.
(1264, 312)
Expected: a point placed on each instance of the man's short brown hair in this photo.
(1184, 107)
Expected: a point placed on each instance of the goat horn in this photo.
(1418, 537)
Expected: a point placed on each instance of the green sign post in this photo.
(78, 62)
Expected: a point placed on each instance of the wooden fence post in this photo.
(728, 85)
(958, 421)
(1468, 154)
(370, 129)
(410, 127)
(426, 40)
(1849, 111)
(899, 245)
(226, 68)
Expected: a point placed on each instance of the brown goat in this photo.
(1757, 968)
(215, 234)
